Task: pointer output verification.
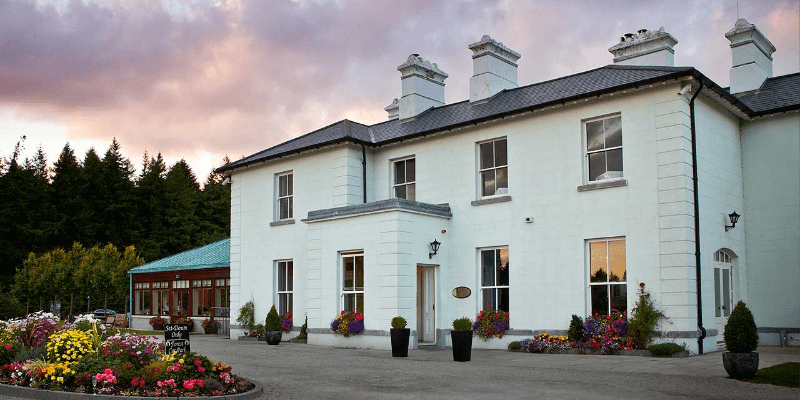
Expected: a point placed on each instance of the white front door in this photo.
(723, 288)
(426, 306)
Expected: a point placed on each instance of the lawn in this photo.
(786, 374)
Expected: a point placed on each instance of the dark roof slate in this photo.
(778, 94)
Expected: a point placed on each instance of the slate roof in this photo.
(588, 84)
(778, 94)
(214, 255)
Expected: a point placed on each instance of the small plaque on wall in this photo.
(461, 292)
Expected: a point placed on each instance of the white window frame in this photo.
(355, 291)
(289, 196)
(407, 183)
(500, 191)
(587, 152)
(607, 283)
(288, 286)
(494, 287)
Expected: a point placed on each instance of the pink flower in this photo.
(201, 369)
(197, 363)
(188, 385)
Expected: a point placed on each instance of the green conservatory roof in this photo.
(214, 255)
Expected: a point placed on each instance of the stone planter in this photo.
(400, 339)
(462, 345)
(740, 365)
(273, 337)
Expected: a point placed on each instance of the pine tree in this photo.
(67, 199)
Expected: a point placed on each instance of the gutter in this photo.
(697, 224)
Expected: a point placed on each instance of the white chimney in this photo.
(494, 68)
(651, 48)
(752, 57)
(393, 109)
(423, 86)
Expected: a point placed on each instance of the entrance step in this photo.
(721, 346)
(428, 347)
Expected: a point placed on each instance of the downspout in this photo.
(130, 300)
(364, 170)
(697, 224)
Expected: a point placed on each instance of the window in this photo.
(604, 148)
(404, 179)
(494, 278)
(607, 276)
(493, 167)
(201, 297)
(142, 298)
(222, 292)
(285, 196)
(353, 282)
(160, 303)
(285, 286)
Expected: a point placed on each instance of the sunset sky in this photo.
(199, 79)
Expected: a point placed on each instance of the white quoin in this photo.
(752, 57)
(423, 86)
(494, 68)
(645, 48)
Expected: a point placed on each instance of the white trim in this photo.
(586, 152)
(289, 196)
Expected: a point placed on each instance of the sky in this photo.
(201, 79)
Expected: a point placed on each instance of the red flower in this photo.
(197, 363)
(201, 369)
(9, 347)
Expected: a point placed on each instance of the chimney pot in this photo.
(646, 48)
(494, 68)
(752, 57)
(422, 84)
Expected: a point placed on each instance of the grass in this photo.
(786, 374)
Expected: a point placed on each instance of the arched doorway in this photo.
(723, 287)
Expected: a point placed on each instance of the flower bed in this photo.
(601, 334)
(41, 352)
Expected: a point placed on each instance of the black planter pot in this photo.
(273, 337)
(462, 345)
(740, 365)
(400, 341)
(211, 330)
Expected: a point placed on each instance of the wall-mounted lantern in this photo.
(734, 218)
(434, 248)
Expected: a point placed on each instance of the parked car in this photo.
(104, 312)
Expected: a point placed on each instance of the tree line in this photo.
(99, 202)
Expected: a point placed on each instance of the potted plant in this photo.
(400, 335)
(247, 318)
(348, 323)
(741, 339)
(184, 321)
(490, 323)
(461, 336)
(210, 325)
(272, 327)
(158, 323)
(287, 322)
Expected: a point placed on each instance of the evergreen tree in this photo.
(215, 208)
(180, 217)
(117, 198)
(67, 199)
(91, 186)
(151, 194)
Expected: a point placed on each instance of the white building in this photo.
(551, 199)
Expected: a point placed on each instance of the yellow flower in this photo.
(60, 379)
(180, 361)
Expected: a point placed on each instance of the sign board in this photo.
(461, 292)
(176, 338)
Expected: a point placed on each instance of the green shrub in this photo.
(462, 324)
(740, 332)
(247, 315)
(515, 345)
(665, 349)
(10, 307)
(575, 332)
(399, 322)
(273, 321)
(9, 352)
(644, 319)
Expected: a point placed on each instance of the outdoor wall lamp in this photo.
(734, 218)
(434, 247)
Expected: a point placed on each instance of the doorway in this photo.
(723, 287)
(426, 303)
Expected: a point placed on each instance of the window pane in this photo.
(502, 267)
(619, 298)
(598, 261)
(400, 191)
(290, 184)
(488, 298)
(289, 275)
(717, 302)
(613, 128)
(594, 135)
(283, 208)
(500, 153)
(487, 267)
(360, 303)
(411, 191)
(289, 303)
(399, 172)
(487, 178)
(282, 303)
(599, 299)
(502, 178)
(597, 165)
(616, 261)
(291, 207)
(614, 163)
(359, 262)
(487, 156)
(502, 299)
(348, 273)
(281, 276)
(411, 174)
(283, 189)
(349, 302)
(726, 292)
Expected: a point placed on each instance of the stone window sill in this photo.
(284, 222)
(491, 200)
(603, 185)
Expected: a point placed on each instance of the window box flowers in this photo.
(490, 323)
(158, 323)
(287, 322)
(348, 323)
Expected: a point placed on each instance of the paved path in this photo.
(299, 371)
